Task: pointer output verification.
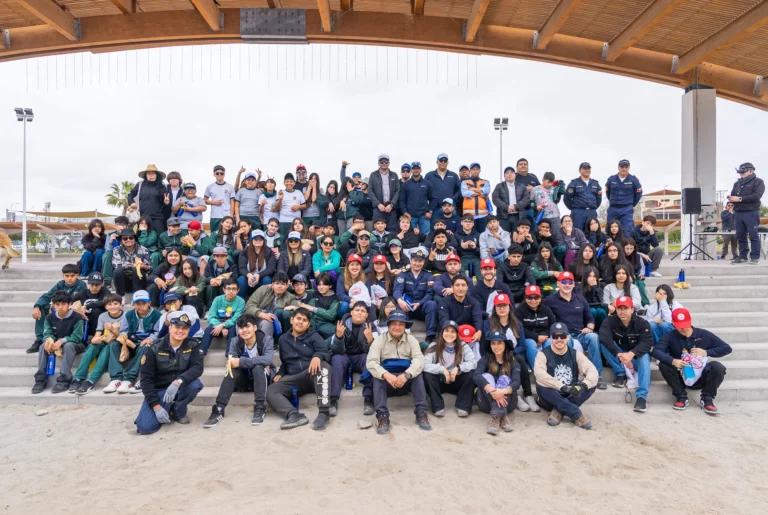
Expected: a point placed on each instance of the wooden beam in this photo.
(475, 19)
(125, 6)
(324, 6)
(275, 4)
(417, 7)
(762, 89)
(346, 5)
(639, 27)
(210, 13)
(555, 22)
(727, 36)
(54, 16)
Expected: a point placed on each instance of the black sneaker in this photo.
(640, 405)
(368, 407)
(258, 416)
(382, 426)
(86, 387)
(738, 261)
(35, 347)
(680, 404)
(74, 385)
(423, 421)
(619, 382)
(216, 415)
(181, 420)
(60, 387)
(334, 409)
(38, 388)
(601, 384)
(295, 419)
(321, 422)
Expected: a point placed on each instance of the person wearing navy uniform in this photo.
(583, 196)
(623, 192)
(746, 195)
(170, 376)
(413, 293)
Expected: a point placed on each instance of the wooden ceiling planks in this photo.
(164, 5)
(602, 20)
(750, 54)
(385, 6)
(13, 16)
(85, 8)
(522, 14)
(448, 8)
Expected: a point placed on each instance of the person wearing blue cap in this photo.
(384, 190)
(416, 198)
(476, 201)
(247, 201)
(497, 377)
(623, 192)
(745, 195)
(583, 196)
(445, 183)
(449, 216)
(511, 199)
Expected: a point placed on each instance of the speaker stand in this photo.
(690, 246)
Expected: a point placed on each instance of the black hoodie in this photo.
(516, 277)
(536, 323)
(296, 353)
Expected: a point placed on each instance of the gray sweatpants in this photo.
(70, 350)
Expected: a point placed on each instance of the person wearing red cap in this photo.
(199, 243)
(573, 310)
(353, 273)
(301, 178)
(536, 318)
(448, 368)
(442, 286)
(626, 340)
(489, 286)
(692, 341)
(460, 307)
(379, 275)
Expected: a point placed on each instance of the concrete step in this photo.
(27, 297)
(730, 293)
(752, 319)
(671, 269)
(18, 357)
(38, 285)
(723, 305)
(757, 279)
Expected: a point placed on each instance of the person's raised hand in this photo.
(37, 314)
(339, 329)
(368, 332)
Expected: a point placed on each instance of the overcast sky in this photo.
(100, 119)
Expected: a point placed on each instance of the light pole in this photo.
(24, 115)
(501, 124)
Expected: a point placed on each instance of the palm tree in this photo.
(119, 195)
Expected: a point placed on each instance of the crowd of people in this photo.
(331, 281)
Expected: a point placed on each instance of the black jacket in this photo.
(636, 337)
(466, 312)
(353, 342)
(94, 307)
(304, 266)
(462, 237)
(264, 345)
(480, 292)
(501, 200)
(160, 366)
(211, 273)
(750, 190)
(644, 240)
(535, 323)
(729, 223)
(376, 189)
(94, 243)
(270, 265)
(296, 353)
(151, 199)
(671, 345)
(517, 278)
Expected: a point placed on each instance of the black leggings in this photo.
(525, 376)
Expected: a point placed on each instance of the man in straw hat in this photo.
(149, 196)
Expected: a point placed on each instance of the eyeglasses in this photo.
(219, 173)
(559, 336)
(443, 160)
(567, 282)
(127, 238)
(533, 297)
(327, 244)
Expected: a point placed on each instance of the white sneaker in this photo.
(112, 387)
(522, 405)
(136, 388)
(125, 387)
(656, 274)
(532, 404)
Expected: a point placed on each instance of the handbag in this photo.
(135, 215)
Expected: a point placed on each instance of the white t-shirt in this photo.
(269, 211)
(224, 192)
(293, 198)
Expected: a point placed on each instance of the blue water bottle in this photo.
(471, 269)
(85, 331)
(349, 377)
(277, 326)
(648, 269)
(681, 276)
(295, 397)
(51, 368)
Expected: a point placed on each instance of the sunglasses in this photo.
(219, 173)
(127, 238)
(382, 161)
(559, 336)
(327, 244)
(405, 171)
(533, 297)
(443, 160)
(363, 238)
(567, 282)
(293, 240)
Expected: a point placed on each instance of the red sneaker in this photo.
(680, 405)
(708, 406)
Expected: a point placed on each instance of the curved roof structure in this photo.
(718, 43)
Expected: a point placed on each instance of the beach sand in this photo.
(88, 459)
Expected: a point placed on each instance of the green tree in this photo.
(763, 210)
(118, 197)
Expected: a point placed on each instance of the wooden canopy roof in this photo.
(718, 43)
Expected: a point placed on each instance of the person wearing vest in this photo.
(476, 201)
(623, 192)
(565, 379)
(62, 337)
(170, 374)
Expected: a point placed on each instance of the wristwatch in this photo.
(408, 376)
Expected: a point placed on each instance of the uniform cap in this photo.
(140, 296)
(250, 175)
(383, 156)
(502, 298)
(585, 165)
(442, 156)
(179, 318)
(195, 225)
(301, 167)
(624, 162)
(565, 275)
(532, 289)
(405, 167)
(509, 168)
(397, 316)
(558, 328)
(496, 336)
(171, 297)
(381, 258)
(473, 165)
(453, 257)
(419, 253)
(416, 164)
(355, 257)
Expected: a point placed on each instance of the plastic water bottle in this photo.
(349, 384)
(51, 368)
(295, 398)
(85, 331)
(648, 269)
(277, 326)
(471, 269)
(681, 276)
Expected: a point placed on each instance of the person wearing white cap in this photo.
(449, 216)
(247, 201)
(384, 190)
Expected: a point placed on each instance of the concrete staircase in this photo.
(727, 299)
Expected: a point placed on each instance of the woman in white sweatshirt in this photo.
(659, 312)
(449, 364)
(621, 287)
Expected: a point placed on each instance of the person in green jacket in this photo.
(327, 259)
(171, 239)
(199, 243)
(323, 304)
(268, 304)
(148, 239)
(546, 269)
(223, 315)
(228, 238)
(70, 284)
(347, 205)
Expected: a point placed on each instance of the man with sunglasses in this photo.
(729, 225)
(124, 261)
(384, 190)
(445, 184)
(572, 309)
(745, 196)
(301, 178)
(220, 195)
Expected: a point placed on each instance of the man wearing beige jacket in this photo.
(399, 376)
(565, 379)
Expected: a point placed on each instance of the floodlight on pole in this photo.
(24, 115)
(501, 124)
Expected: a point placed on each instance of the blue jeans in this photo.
(146, 422)
(208, 338)
(590, 343)
(549, 399)
(245, 291)
(660, 330)
(625, 216)
(599, 315)
(343, 309)
(91, 262)
(530, 349)
(422, 223)
(642, 366)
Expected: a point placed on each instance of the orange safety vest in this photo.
(477, 205)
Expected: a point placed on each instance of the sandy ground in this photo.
(88, 459)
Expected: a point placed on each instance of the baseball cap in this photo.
(416, 164)
(558, 328)
(624, 301)
(173, 221)
(381, 258)
(509, 168)
(467, 332)
(487, 263)
(140, 296)
(450, 323)
(462, 167)
(405, 166)
(448, 201)
(301, 167)
(745, 167)
(585, 165)
(218, 167)
(452, 257)
(624, 162)
(171, 297)
(195, 225)
(502, 298)
(496, 336)
(419, 253)
(355, 257)
(219, 251)
(357, 174)
(565, 275)
(250, 175)
(95, 278)
(468, 217)
(258, 233)
(532, 289)
(398, 316)
(299, 278)
(190, 186)
(294, 235)
(474, 165)
(395, 243)
(681, 318)
(442, 156)
(363, 233)
(179, 318)
(383, 156)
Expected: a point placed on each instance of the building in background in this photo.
(663, 204)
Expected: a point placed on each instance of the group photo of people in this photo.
(308, 288)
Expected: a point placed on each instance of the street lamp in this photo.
(24, 115)
(501, 124)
